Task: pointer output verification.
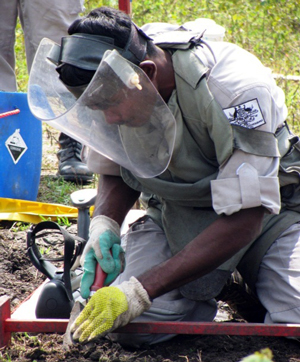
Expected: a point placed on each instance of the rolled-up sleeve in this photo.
(249, 178)
(99, 164)
(246, 181)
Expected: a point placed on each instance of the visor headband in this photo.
(86, 50)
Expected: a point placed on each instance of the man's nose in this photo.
(113, 118)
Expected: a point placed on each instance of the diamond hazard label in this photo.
(16, 146)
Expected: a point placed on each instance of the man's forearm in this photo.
(216, 244)
(115, 198)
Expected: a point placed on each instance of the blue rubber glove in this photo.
(103, 247)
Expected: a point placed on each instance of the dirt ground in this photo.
(19, 279)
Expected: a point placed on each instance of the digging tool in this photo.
(80, 304)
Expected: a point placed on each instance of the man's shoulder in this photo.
(193, 63)
(188, 66)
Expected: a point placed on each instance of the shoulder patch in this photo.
(246, 114)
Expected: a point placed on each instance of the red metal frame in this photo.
(9, 325)
(4, 315)
(125, 6)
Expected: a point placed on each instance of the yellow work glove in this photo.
(110, 308)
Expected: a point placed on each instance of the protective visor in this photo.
(120, 113)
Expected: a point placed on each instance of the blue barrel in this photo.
(20, 148)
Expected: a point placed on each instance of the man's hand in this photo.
(103, 247)
(111, 308)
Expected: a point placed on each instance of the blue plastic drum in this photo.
(20, 148)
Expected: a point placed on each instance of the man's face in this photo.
(133, 110)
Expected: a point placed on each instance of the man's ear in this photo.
(150, 68)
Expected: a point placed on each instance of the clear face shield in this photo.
(120, 114)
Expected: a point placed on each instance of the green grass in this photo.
(56, 190)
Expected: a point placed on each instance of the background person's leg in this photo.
(46, 19)
(51, 19)
(8, 21)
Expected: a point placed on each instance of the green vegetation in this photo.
(57, 190)
(268, 28)
(264, 355)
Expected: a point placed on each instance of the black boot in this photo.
(70, 166)
(242, 300)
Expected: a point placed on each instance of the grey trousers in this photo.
(278, 285)
(146, 246)
(39, 19)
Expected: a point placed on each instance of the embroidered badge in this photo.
(246, 115)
